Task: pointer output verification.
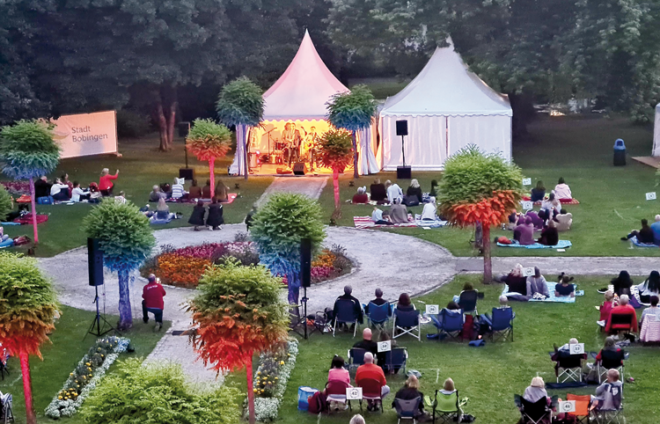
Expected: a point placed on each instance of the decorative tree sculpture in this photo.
(126, 240)
(28, 151)
(237, 313)
(336, 153)
(241, 104)
(352, 111)
(209, 141)
(278, 228)
(27, 314)
(479, 188)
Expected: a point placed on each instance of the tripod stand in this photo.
(102, 325)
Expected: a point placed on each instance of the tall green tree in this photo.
(27, 315)
(126, 240)
(353, 111)
(28, 151)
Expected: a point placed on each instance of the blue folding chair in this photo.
(395, 360)
(408, 323)
(355, 358)
(407, 409)
(449, 323)
(468, 301)
(502, 323)
(346, 315)
(378, 315)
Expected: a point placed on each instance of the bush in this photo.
(6, 204)
(131, 124)
(156, 394)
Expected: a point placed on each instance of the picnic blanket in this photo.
(27, 219)
(429, 224)
(230, 199)
(563, 244)
(552, 298)
(366, 222)
(634, 241)
(563, 201)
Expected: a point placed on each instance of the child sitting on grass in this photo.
(564, 286)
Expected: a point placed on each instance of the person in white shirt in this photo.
(121, 199)
(393, 191)
(564, 220)
(78, 194)
(59, 191)
(429, 211)
(177, 188)
(562, 190)
(377, 217)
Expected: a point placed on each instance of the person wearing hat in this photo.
(357, 309)
(152, 295)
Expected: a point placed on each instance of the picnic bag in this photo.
(317, 403)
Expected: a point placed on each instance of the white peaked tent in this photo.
(656, 132)
(300, 96)
(447, 107)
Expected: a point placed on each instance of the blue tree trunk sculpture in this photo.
(125, 313)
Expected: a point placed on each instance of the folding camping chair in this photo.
(371, 392)
(468, 302)
(346, 315)
(449, 323)
(408, 323)
(407, 409)
(378, 315)
(582, 412)
(6, 403)
(446, 407)
(335, 391)
(355, 358)
(610, 360)
(538, 412)
(569, 367)
(621, 323)
(611, 416)
(395, 360)
(502, 323)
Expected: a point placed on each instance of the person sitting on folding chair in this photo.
(380, 356)
(348, 297)
(372, 371)
(338, 372)
(567, 366)
(447, 404)
(366, 343)
(378, 301)
(405, 304)
(622, 312)
(536, 391)
(610, 357)
(504, 304)
(357, 419)
(609, 394)
(410, 391)
(467, 299)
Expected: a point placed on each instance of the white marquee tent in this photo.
(299, 96)
(447, 107)
(656, 132)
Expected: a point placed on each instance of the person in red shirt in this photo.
(105, 183)
(607, 306)
(361, 196)
(623, 309)
(372, 371)
(153, 294)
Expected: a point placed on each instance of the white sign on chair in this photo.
(385, 346)
(432, 309)
(528, 272)
(576, 348)
(650, 196)
(527, 181)
(354, 393)
(566, 406)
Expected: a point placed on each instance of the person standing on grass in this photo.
(153, 294)
(105, 181)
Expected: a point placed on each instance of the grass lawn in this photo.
(61, 357)
(491, 375)
(612, 199)
(140, 167)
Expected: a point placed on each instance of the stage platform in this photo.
(653, 161)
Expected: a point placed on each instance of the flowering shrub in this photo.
(325, 259)
(271, 379)
(84, 378)
(173, 268)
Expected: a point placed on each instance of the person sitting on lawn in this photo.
(651, 310)
(206, 190)
(644, 235)
(378, 218)
(215, 219)
(195, 192)
(622, 283)
(393, 191)
(624, 308)
(536, 391)
(606, 307)
(405, 304)
(524, 232)
(655, 227)
(177, 188)
(197, 215)
(563, 191)
(221, 191)
(373, 372)
(163, 211)
(608, 395)
(59, 190)
(378, 191)
(538, 193)
(361, 196)
(410, 391)
(549, 235)
(611, 351)
(538, 219)
(514, 277)
(650, 287)
(564, 220)
(121, 198)
(413, 193)
(156, 194)
(338, 372)
(537, 284)
(78, 194)
(42, 187)
(552, 206)
(398, 212)
(366, 343)
(357, 309)
(564, 286)
(429, 211)
(434, 189)
(105, 181)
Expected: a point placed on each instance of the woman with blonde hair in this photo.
(413, 194)
(535, 391)
(448, 389)
(410, 391)
(105, 183)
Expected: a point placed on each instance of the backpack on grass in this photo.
(317, 403)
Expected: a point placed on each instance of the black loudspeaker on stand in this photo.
(305, 275)
(100, 325)
(402, 172)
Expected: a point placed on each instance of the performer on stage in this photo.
(309, 146)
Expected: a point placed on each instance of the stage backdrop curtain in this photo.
(425, 144)
(492, 134)
(238, 165)
(368, 164)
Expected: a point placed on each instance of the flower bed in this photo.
(270, 381)
(17, 188)
(84, 378)
(184, 267)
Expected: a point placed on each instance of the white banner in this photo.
(87, 134)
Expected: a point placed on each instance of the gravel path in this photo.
(309, 186)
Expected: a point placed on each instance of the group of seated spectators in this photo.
(648, 234)
(524, 288)
(390, 192)
(177, 191)
(62, 189)
(562, 192)
(549, 221)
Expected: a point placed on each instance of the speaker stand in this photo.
(304, 301)
(102, 325)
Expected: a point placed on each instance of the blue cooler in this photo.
(304, 392)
